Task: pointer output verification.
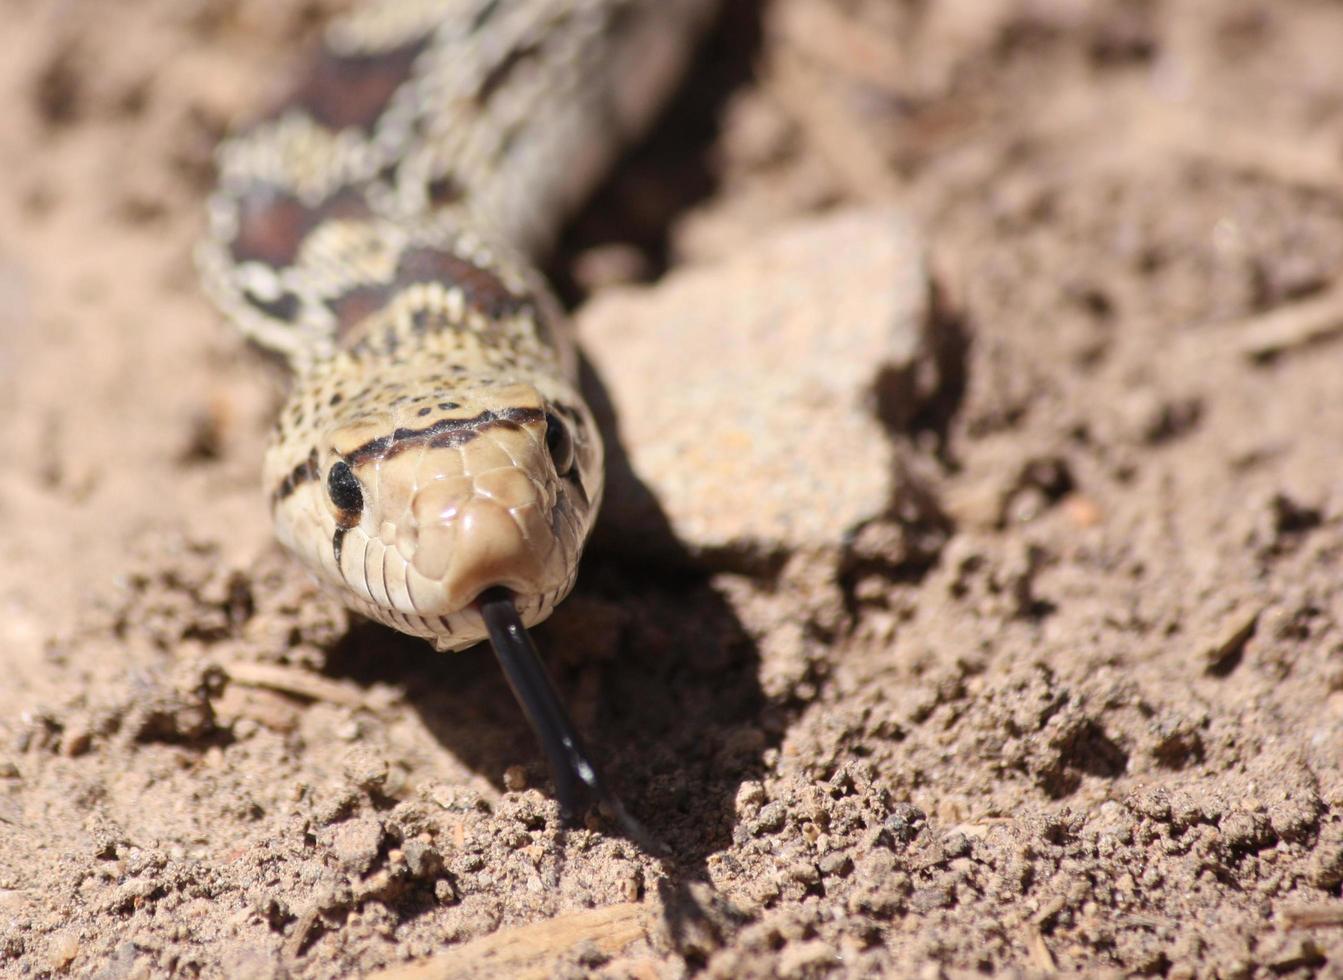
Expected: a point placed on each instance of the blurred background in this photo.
(1090, 719)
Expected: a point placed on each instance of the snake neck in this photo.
(481, 306)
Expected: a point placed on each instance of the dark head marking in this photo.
(440, 434)
(300, 474)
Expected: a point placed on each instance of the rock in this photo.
(750, 395)
(422, 858)
(354, 844)
(770, 820)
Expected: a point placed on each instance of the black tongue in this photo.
(577, 778)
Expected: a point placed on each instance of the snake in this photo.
(378, 229)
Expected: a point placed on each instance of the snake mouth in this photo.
(438, 575)
(423, 551)
(462, 626)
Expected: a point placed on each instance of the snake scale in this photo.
(435, 465)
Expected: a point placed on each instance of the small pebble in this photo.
(354, 843)
(63, 949)
(770, 820)
(423, 859)
(515, 779)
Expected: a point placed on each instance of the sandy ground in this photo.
(1078, 707)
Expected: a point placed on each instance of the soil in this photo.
(1081, 709)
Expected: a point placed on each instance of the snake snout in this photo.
(495, 534)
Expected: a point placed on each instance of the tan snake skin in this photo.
(376, 230)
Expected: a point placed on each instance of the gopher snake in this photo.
(435, 465)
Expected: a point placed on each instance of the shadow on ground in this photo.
(658, 671)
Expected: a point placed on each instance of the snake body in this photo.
(378, 230)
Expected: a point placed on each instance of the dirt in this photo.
(1076, 705)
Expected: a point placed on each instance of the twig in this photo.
(1312, 916)
(298, 939)
(1040, 954)
(295, 681)
(527, 951)
(1309, 321)
(1285, 158)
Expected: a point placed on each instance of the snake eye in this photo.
(343, 487)
(560, 444)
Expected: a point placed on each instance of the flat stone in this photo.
(746, 393)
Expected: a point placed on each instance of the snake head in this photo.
(409, 507)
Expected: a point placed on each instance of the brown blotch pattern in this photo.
(483, 289)
(271, 226)
(353, 90)
(354, 307)
(272, 223)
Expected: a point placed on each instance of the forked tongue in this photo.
(576, 776)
